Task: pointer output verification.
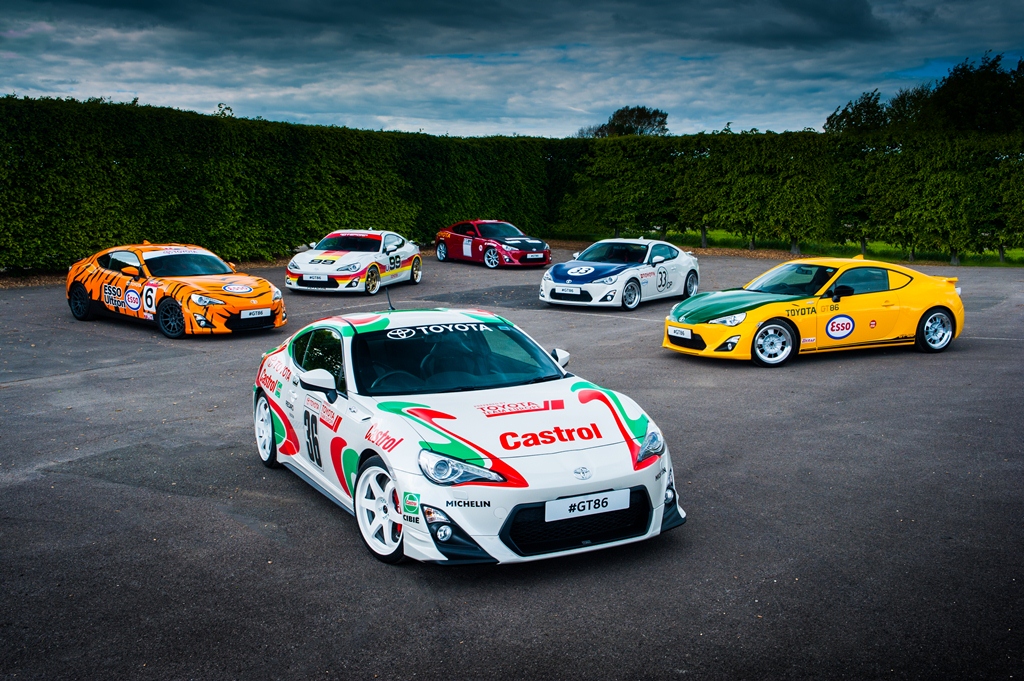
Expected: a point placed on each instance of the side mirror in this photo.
(322, 381)
(657, 259)
(840, 292)
(312, 244)
(232, 266)
(561, 357)
(575, 255)
(131, 271)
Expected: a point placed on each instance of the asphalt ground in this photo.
(852, 515)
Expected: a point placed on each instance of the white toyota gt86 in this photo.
(454, 438)
(355, 260)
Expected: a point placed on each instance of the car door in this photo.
(326, 428)
(470, 238)
(393, 256)
(668, 280)
(123, 293)
(866, 311)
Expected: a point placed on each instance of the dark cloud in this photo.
(494, 66)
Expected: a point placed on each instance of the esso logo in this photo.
(132, 299)
(580, 271)
(238, 288)
(839, 326)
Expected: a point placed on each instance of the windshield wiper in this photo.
(540, 379)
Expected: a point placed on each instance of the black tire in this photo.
(442, 252)
(263, 423)
(774, 343)
(935, 330)
(80, 303)
(692, 282)
(631, 295)
(366, 513)
(416, 271)
(372, 286)
(491, 258)
(170, 319)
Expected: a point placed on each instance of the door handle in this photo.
(888, 303)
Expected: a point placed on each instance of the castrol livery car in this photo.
(183, 289)
(819, 305)
(454, 438)
(622, 272)
(359, 261)
(492, 242)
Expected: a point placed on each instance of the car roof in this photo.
(371, 321)
(642, 242)
(359, 232)
(150, 248)
(847, 262)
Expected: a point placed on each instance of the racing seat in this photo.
(450, 354)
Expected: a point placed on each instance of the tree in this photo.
(629, 120)
(864, 115)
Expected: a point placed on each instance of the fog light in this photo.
(353, 283)
(728, 345)
(202, 321)
(609, 296)
(670, 495)
(444, 533)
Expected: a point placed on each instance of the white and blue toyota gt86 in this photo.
(622, 272)
(454, 438)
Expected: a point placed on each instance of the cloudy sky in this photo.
(528, 67)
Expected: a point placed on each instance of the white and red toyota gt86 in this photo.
(454, 438)
(355, 260)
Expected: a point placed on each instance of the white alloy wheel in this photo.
(691, 284)
(935, 330)
(631, 295)
(773, 344)
(442, 252)
(378, 511)
(491, 258)
(264, 424)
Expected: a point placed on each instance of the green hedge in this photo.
(79, 176)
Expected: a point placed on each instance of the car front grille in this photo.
(236, 323)
(330, 283)
(526, 533)
(695, 342)
(582, 297)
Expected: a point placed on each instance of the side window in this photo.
(325, 352)
(299, 347)
(664, 251)
(104, 261)
(121, 259)
(865, 280)
(392, 241)
(467, 229)
(897, 280)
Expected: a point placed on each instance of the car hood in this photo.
(704, 307)
(581, 272)
(335, 259)
(488, 426)
(523, 243)
(222, 286)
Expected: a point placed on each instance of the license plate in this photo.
(249, 314)
(679, 333)
(568, 289)
(315, 277)
(589, 504)
(534, 255)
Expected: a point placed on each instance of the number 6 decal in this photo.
(149, 297)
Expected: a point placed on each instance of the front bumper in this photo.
(592, 295)
(708, 340)
(523, 258)
(219, 319)
(506, 525)
(347, 282)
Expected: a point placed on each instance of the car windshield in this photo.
(350, 242)
(794, 279)
(440, 358)
(498, 230)
(190, 264)
(614, 251)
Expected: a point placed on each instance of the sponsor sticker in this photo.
(312, 404)
(872, 324)
(132, 299)
(329, 417)
(411, 503)
(411, 331)
(466, 503)
(580, 271)
(382, 438)
(808, 340)
(112, 296)
(511, 441)
(506, 408)
(839, 327)
(237, 288)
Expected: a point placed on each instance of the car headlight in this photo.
(607, 280)
(508, 248)
(351, 267)
(654, 445)
(546, 247)
(444, 470)
(547, 276)
(205, 301)
(730, 320)
(277, 293)
(293, 265)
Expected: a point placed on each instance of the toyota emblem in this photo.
(583, 473)
(401, 334)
